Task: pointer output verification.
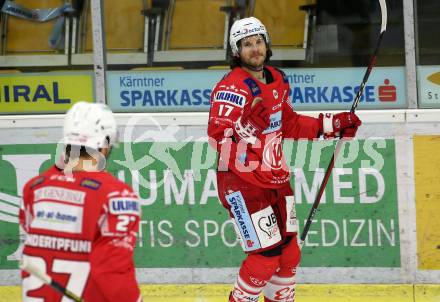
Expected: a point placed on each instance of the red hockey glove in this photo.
(344, 124)
(253, 121)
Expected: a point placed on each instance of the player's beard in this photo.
(255, 63)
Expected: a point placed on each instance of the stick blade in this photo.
(27, 266)
(384, 12)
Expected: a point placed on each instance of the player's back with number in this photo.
(81, 222)
(81, 230)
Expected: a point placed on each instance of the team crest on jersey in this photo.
(90, 183)
(124, 206)
(233, 98)
(272, 153)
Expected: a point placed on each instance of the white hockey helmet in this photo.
(89, 125)
(244, 28)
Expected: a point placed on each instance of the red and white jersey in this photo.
(81, 230)
(262, 163)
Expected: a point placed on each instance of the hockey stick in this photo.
(33, 270)
(313, 210)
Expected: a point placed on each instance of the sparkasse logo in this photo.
(387, 92)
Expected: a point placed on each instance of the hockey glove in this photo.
(344, 124)
(253, 122)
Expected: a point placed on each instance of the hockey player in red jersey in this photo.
(81, 222)
(250, 116)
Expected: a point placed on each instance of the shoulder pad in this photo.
(224, 80)
(253, 86)
(37, 181)
(283, 74)
(90, 183)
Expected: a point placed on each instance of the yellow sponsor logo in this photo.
(41, 93)
(434, 78)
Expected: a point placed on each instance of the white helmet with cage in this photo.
(244, 28)
(90, 125)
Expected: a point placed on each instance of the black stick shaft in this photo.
(65, 291)
(315, 205)
(367, 74)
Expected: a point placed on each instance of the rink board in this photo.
(368, 229)
(183, 224)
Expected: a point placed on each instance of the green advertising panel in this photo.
(184, 225)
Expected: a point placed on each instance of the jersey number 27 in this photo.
(78, 271)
